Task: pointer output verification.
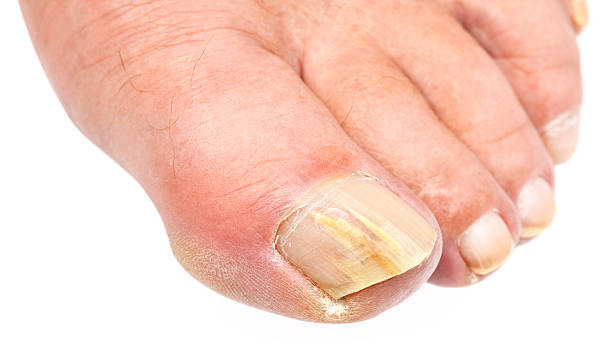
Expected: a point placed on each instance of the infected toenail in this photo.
(561, 136)
(486, 244)
(580, 14)
(536, 204)
(350, 233)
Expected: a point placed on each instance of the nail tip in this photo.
(503, 258)
(561, 154)
(536, 205)
(486, 245)
(561, 136)
(579, 14)
(531, 232)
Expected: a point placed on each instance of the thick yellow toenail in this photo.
(486, 244)
(561, 136)
(351, 233)
(536, 204)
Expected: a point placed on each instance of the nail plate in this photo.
(350, 233)
(580, 13)
(536, 204)
(486, 244)
(561, 136)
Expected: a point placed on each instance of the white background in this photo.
(85, 263)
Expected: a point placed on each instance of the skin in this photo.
(227, 111)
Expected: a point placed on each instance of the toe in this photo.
(265, 199)
(534, 44)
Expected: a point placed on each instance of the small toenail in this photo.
(580, 13)
(536, 204)
(486, 244)
(561, 136)
(350, 233)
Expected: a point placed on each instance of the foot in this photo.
(310, 157)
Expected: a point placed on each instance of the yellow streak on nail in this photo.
(353, 238)
(377, 230)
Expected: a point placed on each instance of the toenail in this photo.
(580, 13)
(486, 244)
(350, 233)
(536, 204)
(561, 136)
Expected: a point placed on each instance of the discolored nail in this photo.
(350, 233)
(580, 14)
(486, 244)
(536, 204)
(561, 136)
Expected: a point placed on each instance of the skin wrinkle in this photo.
(544, 70)
(539, 61)
(191, 78)
(298, 19)
(263, 203)
(113, 14)
(535, 83)
(518, 64)
(378, 87)
(233, 112)
(268, 163)
(211, 268)
(270, 202)
(137, 59)
(131, 31)
(509, 133)
(508, 52)
(240, 188)
(143, 28)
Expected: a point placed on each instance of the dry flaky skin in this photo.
(351, 233)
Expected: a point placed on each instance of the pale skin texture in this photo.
(226, 112)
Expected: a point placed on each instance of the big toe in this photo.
(267, 207)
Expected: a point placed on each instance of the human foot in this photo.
(262, 129)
